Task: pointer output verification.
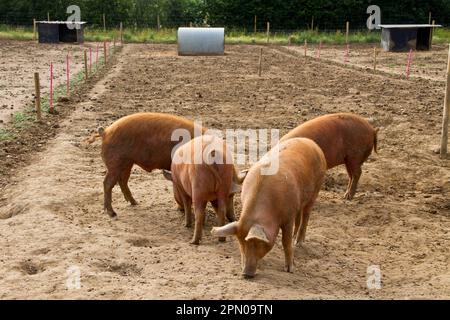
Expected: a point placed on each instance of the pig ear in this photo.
(227, 230)
(257, 232)
(240, 177)
(167, 174)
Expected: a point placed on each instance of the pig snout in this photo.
(249, 269)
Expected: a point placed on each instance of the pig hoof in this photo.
(222, 239)
(195, 242)
(248, 276)
(111, 213)
(347, 196)
(133, 202)
(289, 269)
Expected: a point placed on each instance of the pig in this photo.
(344, 138)
(144, 139)
(202, 171)
(282, 200)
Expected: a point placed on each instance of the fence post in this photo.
(254, 25)
(121, 33)
(104, 52)
(347, 29)
(268, 31)
(86, 75)
(104, 23)
(157, 22)
(260, 62)
(37, 97)
(34, 29)
(444, 137)
(408, 64)
(67, 76)
(51, 109)
(306, 47)
(374, 58)
(48, 16)
(312, 23)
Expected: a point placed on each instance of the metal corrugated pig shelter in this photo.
(59, 31)
(403, 37)
(201, 41)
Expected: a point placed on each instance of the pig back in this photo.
(301, 170)
(340, 136)
(145, 139)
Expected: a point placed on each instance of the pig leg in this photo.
(298, 221)
(230, 210)
(108, 184)
(123, 183)
(355, 171)
(188, 212)
(286, 240)
(199, 211)
(221, 213)
(304, 222)
(350, 177)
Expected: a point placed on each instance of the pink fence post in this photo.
(67, 75)
(51, 88)
(320, 47)
(90, 60)
(408, 64)
(96, 58)
(347, 53)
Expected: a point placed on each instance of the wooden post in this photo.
(429, 17)
(268, 31)
(104, 52)
(85, 66)
(34, 29)
(121, 33)
(312, 23)
(48, 16)
(104, 23)
(90, 61)
(408, 64)
(67, 76)
(374, 58)
(260, 62)
(347, 29)
(320, 48)
(431, 34)
(51, 110)
(445, 117)
(157, 21)
(306, 47)
(37, 97)
(254, 25)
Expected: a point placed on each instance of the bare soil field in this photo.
(425, 64)
(19, 60)
(51, 204)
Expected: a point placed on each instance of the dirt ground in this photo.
(20, 60)
(51, 207)
(425, 64)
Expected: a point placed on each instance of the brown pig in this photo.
(202, 171)
(282, 200)
(344, 138)
(146, 139)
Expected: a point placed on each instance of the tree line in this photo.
(282, 14)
